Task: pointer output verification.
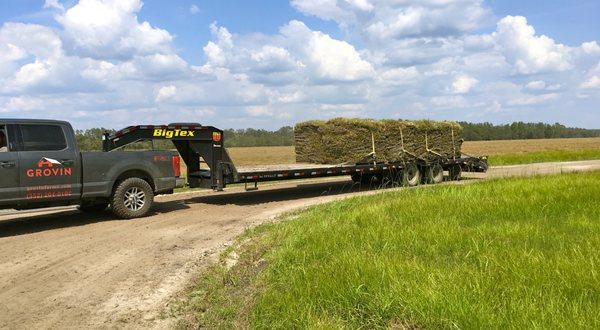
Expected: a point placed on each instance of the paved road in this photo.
(62, 269)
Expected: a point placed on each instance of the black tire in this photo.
(357, 177)
(455, 172)
(132, 198)
(93, 207)
(435, 174)
(366, 179)
(411, 175)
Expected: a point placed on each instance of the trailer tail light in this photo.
(176, 161)
(216, 136)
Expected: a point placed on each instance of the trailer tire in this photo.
(435, 174)
(132, 198)
(411, 175)
(93, 207)
(357, 178)
(455, 172)
(367, 178)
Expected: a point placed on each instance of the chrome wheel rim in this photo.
(134, 199)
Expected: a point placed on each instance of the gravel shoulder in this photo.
(62, 269)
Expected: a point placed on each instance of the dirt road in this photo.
(63, 269)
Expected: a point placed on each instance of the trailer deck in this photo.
(303, 170)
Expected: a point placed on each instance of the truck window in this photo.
(4, 147)
(43, 138)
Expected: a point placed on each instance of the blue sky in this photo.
(271, 63)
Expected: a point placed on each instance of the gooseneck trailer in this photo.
(210, 166)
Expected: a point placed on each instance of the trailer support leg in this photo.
(250, 188)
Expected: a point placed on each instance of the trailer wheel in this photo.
(357, 178)
(455, 172)
(435, 174)
(411, 176)
(92, 207)
(132, 198)
(367, 179)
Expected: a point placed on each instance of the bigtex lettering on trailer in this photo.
(169, 134)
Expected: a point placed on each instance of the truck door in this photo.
(50, 168)
(9, 166)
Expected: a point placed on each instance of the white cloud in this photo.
(463, 84)
(21, 103)
(533, 99)
(216, 51)
(540, 85)
(31, 39)
(194, 9)
(259, 111)
(273, 59)
(165, 93)
(592, 83)
(590, 47)
(330, 59)
(382, 19)
(54, 4)
(160, 66)
(110, 29)
(536, 85)
(447, 102)
(400, 75)
(529, 53)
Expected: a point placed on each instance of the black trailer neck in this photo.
(195, 143)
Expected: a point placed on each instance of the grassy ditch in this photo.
(517, 253)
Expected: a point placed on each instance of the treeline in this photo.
(251, 137)
(91, 139)
(521, 130)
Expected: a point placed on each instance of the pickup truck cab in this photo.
(41, 166)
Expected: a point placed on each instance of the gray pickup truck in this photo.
(41, 166)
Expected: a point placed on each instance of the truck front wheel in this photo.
(132, 198)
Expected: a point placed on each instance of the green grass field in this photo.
(516, 253)
(544, 156)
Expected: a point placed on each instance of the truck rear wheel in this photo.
(435, 174)
(132, 198)
(411, 175)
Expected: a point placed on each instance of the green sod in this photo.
(343, 140)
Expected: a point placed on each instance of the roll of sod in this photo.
(343, 140)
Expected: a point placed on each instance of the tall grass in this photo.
(519, 253)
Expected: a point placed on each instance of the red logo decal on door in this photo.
(46, 168)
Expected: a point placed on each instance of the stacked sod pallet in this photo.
(343, 140)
